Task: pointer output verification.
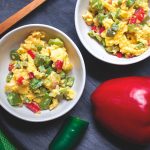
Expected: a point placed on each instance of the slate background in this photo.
(37, 136)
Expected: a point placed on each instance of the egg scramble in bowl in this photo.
(121, 26)
(39, 74)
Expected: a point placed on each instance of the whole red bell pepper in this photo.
(123, 106)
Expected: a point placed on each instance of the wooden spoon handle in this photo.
(19, 15)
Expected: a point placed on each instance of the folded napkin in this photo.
(5, 144)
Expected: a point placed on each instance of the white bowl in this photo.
(11, 41)
(93, 46)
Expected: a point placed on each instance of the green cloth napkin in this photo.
(5, 143)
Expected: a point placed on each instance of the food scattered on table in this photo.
(39, 74)
(121, 26)
(123, 106)
(69, 135)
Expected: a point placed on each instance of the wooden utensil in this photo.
(19, 15)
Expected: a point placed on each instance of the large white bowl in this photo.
(92, 45)
(12, 41)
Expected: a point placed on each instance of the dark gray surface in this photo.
(37, 136)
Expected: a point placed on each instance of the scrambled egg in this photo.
(121, 25)
(39, 72)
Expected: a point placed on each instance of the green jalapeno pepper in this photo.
(69, 135)
(129, 3)
(44, 104)
(14, 55)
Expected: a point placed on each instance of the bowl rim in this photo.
(82, 65)
(93, 54)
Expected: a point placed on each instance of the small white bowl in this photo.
(11, 41)
(93, 46)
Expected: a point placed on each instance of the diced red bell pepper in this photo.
(20, 80)
(130, 56)
(119, 54)
(59, 65)
(139, 13)
(34, 107)
(11, 66)
(31, 53)
(31, 75)
(101, 29)
(132, 20)
(94, 28)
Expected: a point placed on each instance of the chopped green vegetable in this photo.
(62, 75)
(70, 81)
(14, 55)
(49, 70)
(24, 63)
(35, 84)
(118, 13)
(25, 99)
(63, 90)
(140, 45)
(110, 33)
(9, 77)
(14, 99)
(119, 2)
(56, 41)
(94, 35)
(18, 65)
(42, 69)
(40, 91)
(129, 3)
(101, 17)
(39, 47)
(103, 42)
(41, 60)
(96, 5)
(44, 104)
(115, 27)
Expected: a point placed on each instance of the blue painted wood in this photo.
(37, 136)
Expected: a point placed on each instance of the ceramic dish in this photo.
(12, 40)
(93, 46)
